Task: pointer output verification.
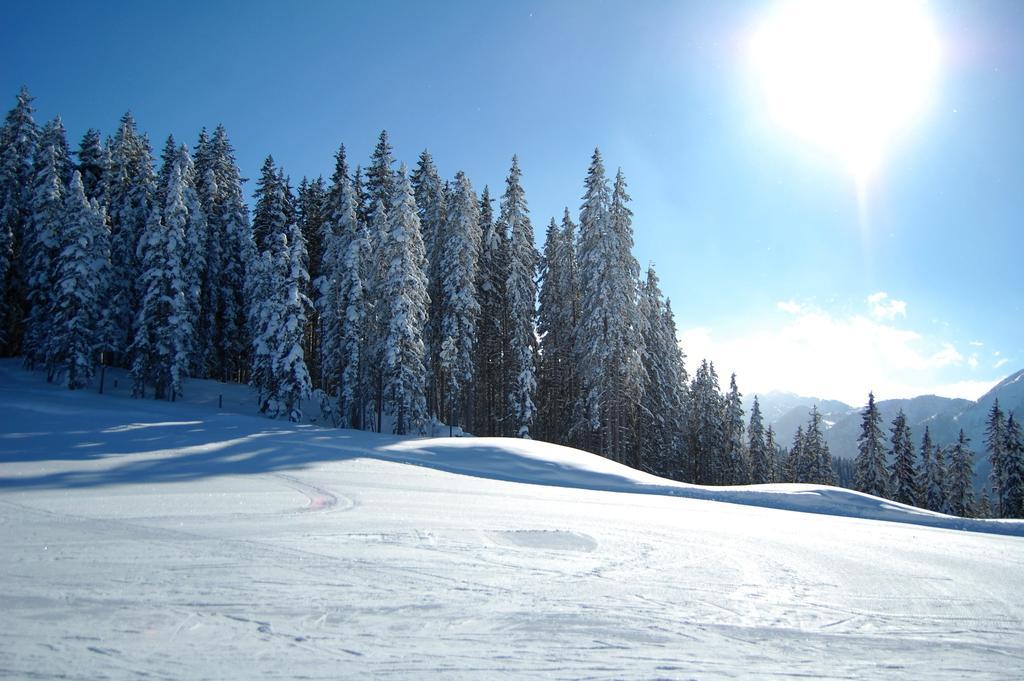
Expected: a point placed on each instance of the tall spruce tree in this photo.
(609, 344)
(492, 351)
(163, 326)
(931, 479)
(403, 295)
(734, 470)
(431, 205)
(458, 252)
(79, 274)
(662, 404)
(705, 426)
(522, 293)
(903, 475)
(93, 162)
(1013, 471)
(995, 448)
(42, 240)
(18, 140)
(961, 478)
(761, 463)
(870, 461)
(130, 184)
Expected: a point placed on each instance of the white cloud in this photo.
(817, 353)
(972, 361)
(1000, 363)
(884, 307)
(789, 306)
(977, 344)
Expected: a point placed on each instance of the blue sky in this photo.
(774, 268)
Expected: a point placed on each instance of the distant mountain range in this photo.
(942, 415)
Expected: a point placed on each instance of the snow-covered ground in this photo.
(186, 541)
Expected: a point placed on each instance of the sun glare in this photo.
(847, 75)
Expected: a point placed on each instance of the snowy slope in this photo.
(183, 541)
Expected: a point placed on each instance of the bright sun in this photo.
(848, 75)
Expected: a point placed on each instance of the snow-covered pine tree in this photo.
(276, 290)
(705, 426)
(163, 327)
(18, 140)
(223, 342)
(130, 186)
(774, 454)
(403, 295)
(609, 343)
(522, 295)
(995, 448)
(903, 476)
(42, 240)
(310, 215)
(93, 161)
(961, 478)
(872, 477)
(459, 252)
(342, 304)
(270, 214)
(761, 461)
(379, 178)
(794, 461)
(931, 479)
(665, 379)
(816, 462)
(79, 273)
(492, 350)
(1013, 470)
(293, 382)
(431, 204)
(549, 363)
(735, 470)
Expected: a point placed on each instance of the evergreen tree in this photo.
(459, 309)
(774, 453)
(163, 327)
(609, 344)
(79, 272)
(380, 180)
(277, 283)
(705, 427)
(995, 447)
(492, 350)
(1013, 471)
(550, 364)
(310, 216)
(343, 304)
(815, 465)
(735, 470)
(870, 461)
(431, 204)
(793, 472)
(42, 240)
(931, 482)
(761, 464)
(18, 139)
(662, 404)
(983, 509)
(961, 478)
(522, 293)
(903, 475)
(223, 341)
(403, 295)
(93, 163)
(130, 184)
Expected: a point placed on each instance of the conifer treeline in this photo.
(393, 299)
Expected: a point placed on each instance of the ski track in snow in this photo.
(180, 545)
